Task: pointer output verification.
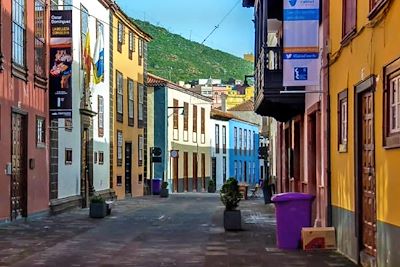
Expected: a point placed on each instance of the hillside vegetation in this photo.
(173, 57)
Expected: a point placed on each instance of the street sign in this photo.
(174, 153)
(156, 153)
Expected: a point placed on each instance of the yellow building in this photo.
(249, 57)
(365, 129)
(234, 98)
(128, 116)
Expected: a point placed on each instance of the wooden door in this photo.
(175, 173)
(203, 171)
(195, 171)
(19, 181)
(245, 171)
(368, 186)
(311, 161)
(128, 168)
(185, 172)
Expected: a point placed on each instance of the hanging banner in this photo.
(60, 64)
(300, 42)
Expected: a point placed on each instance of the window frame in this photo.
(223, 139)
(175, 114)
(68, 156)
(140, 105)
(101, 157)
(217, 138)
(120, 143)
(346, 35)
(185, 116)
(375, 7)
(131, 102)
(235, 137)
(40, 139)
(100, 115)
(119, 101)
(21, 60)
(131, 46)
(343, 121)
(120, 36)
(40, 57)
(391, 139)
(141, 45)
(140, 150)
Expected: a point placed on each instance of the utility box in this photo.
(318, 238)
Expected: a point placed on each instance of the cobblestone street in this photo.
(183, 230)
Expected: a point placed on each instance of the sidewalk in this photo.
(182, 230)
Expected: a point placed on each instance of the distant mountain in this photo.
(173, 57)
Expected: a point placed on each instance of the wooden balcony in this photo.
(269, 101)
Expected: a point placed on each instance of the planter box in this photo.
(98, 210)
(232, 220)
(164, 192)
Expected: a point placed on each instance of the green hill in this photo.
(173, 57)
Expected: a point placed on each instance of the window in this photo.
(203, 125)
(235, 169)
(240, 140)
(245, 141)
(18, 32)
(120, 96)
(194, 118)
(392, 105)
(95, 157)
(239, 170)
(235, 139)
(175, 114)
(100, 115)
(140, 151)
(254, 142)
(40, 131)
(249, 143)
(119, 148)
(131, 119)
(224, 169)
(67, 4)
(68, 125)
(68, 156)
(375, 6)
(54, 4)
(140, 51)
(349, 18)
(185, 116)
(216, 138)
(84, 31)
(342, 120)
(40, 38)
(140, 104)
(140, 179)
(131, 44)
(101, 157)
(224, 139)
(119, 180)
(120, 36)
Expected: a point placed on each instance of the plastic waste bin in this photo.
(156, 186)
(293, 212)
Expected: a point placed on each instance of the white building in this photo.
(83, 142)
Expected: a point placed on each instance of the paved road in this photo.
(183, 230)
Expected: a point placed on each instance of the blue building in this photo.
(243, 152)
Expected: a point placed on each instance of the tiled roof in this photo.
(218, 114)
(245, 106)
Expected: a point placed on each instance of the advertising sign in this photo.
(60, 64)
(300, 42)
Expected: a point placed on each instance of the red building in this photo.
(24, 167)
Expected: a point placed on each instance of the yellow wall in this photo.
(233, 99)
(130, 69)
(375, 45)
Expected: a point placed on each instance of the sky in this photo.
(195, 19)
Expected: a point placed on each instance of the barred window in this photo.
(140, 102)
(130, 103)
(120, 95)
(18, 31)
(40, 131)
(40, 38)
(100, 115)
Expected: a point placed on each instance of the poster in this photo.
(60, 64)
(300, 42)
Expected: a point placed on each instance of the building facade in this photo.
(365, 126)
(24, 110)
(243, 154)
(128, 113)
(181, 120)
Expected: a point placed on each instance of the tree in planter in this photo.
(211, 186)
(231, 196)
(164, 190)
(98, 207)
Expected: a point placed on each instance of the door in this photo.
(19, 187)
(245, 171)
(175, 173)
(85, 168)
(195, 172)
(128, 168)
(203, 171)
(214, 168)
(368, 192)
(186, 172)
(311, 161)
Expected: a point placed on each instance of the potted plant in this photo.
(211, 186)
(231, 196)
(164, 190)
(98, 207)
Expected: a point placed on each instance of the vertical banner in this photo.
(60, 64)
(300, 42)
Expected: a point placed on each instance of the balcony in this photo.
(269, 101)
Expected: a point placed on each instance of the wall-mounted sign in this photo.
(60, 64)
(174, 153)
(300, 42)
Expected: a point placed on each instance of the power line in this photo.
(222, 20)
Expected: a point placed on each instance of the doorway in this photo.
(85, 168)
(175, 173)
(311, 161)
(195, 172)
(128, 169)
(245, 171)
(185, 171)
(19, 187)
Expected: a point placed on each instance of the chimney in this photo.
(223, 102)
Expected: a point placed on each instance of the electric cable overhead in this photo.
(222, 20)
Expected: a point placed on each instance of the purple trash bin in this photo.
(293, 212)
(156, 186)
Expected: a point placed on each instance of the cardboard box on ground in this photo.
(318, 238)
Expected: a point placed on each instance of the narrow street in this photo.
(182, 230)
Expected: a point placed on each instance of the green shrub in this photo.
(230, 194)
(164, 185)
(97, 199)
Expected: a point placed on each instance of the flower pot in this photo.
(232, 220)
(211, 189)
(98, 210)
(164, 192)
